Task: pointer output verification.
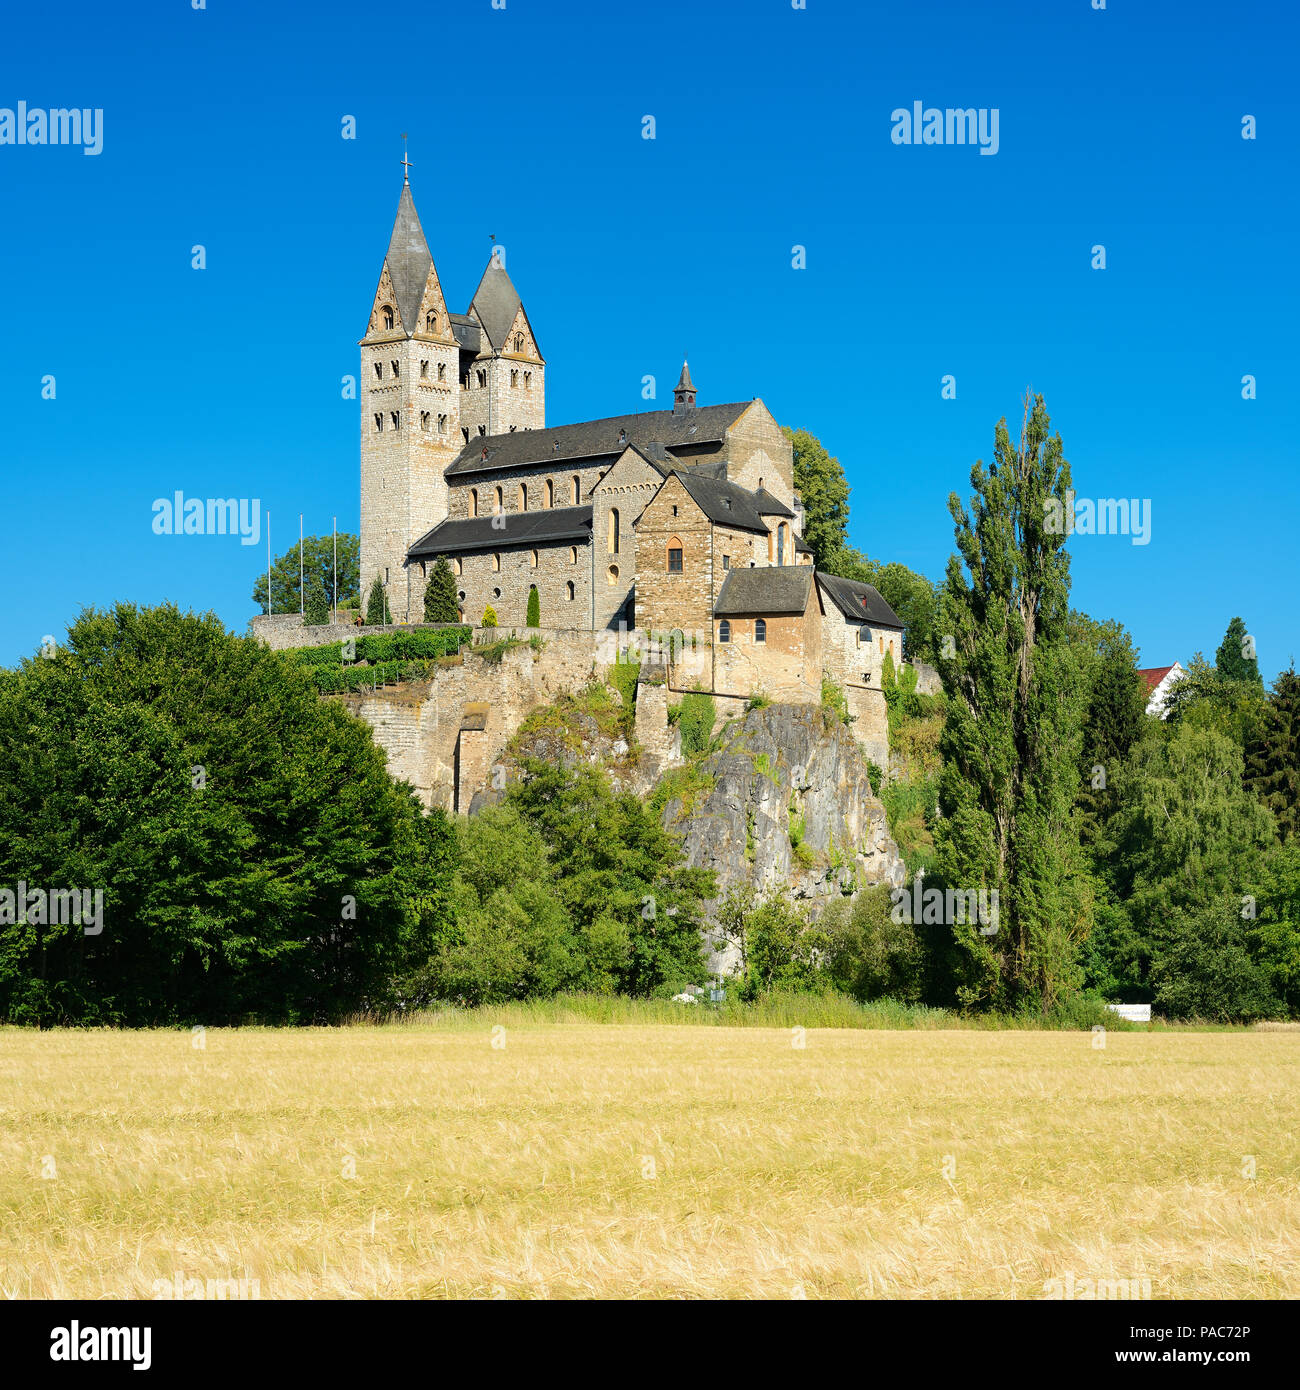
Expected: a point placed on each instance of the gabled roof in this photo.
(861, 602)
(770, 589)
(495, 303)
(408, 259)
(723, 502)
(595, 439)
(769, 505)
(1153, 675)
(521, 528)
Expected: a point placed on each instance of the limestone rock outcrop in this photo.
(785, 804)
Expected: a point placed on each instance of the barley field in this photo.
(425, 1160)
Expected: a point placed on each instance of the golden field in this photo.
(647, 1161)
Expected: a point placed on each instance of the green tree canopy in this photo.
(1012, 731)
(441, 604)
(377, 610)
(819, 480)
(318, 567)
(255, 858)
(1273, 755)
(1235, 659)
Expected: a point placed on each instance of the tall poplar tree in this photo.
(1011, 740)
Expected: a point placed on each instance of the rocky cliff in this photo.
(784, 804)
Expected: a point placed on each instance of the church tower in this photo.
(410, 413)
(504, 386)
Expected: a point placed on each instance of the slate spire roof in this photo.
(495, 303)
(684, 382)
(408, 259)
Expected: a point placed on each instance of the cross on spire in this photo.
(406, 163)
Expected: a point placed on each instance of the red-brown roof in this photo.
(1153, 675)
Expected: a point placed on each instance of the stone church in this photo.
(670, 520)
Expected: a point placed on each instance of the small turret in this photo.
(684, 391)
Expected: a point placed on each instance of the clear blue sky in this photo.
(222, 128)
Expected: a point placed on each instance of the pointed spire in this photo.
(408, 259)
(684, 391)
(496, 301)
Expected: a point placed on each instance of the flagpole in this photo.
(302, 593)
(268, 569)
(336, 569)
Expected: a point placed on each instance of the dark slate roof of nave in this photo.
(521, 528)
(593, 439)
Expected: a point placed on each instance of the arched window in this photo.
(780, 544)
(456, 565)
(496, 593)
(613, 531)
(431, 323)
(523, 497)
(882, 646)
(473, 501)
(724, 631)
(388, 316)
(612, 576)
(573, 554)
(501, 500)
(674, 555)
(496, 562)
(532, 560)
(550, 492)
(760, 485)
(568, 590)
(760, 630)
(577, 490)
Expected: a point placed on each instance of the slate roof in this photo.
(684, 382)
(467, 332)
(859, 601)
(521, 528)
(593, 439)
(408, 258)
(495, 303)
(801, 546)
(769, 505)
(773, 589)
(723, 502)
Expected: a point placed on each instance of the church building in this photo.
(684, 519)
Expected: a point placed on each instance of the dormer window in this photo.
(388, 316)
(431, 322)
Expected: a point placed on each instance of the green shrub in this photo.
(758, 699)
(834, 701)
(875, 775)
(696, 719)
(489, 616)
